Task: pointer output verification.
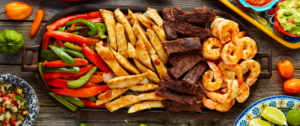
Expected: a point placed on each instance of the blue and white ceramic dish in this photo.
(33, 102)
(284, 103)
(259, 9)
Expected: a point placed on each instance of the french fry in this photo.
(128, 29)
(110, 95)
(132, 19)
(121, 40)
(110, 60)
(125, 63)
(145, 21)
(152, 76)
(160, 33)
(159, 65)
(157, 44)
(131, 99)
(126, 81)
(155, 16)
(143, 55)
(109, 21)
(144, 87)
(140, 35)
(145, 105)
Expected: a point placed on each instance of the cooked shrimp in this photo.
(254, 68)
(224, 30)
(232, 68)
(243, 93)
(230, 54)
(209, 75)
(214, 26)
(239, 44)
(216, 105)
(233, 89)
(249, 48)
(212, 48)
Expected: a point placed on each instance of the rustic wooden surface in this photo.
(51, 115)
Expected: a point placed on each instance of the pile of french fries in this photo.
(138, 37)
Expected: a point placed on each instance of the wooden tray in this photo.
(154, 113)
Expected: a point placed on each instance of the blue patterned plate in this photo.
(33, 102)
(284, 103)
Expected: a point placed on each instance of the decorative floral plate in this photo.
(284, 103)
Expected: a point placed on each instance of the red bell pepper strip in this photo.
(63, 21)
(90, 104)
(83, 70)
(96, 79)
(68, 37)
(89, 84)
(60, 43)
(61, 63)
(81, 92)
(57, 82)
(46, 43)
(95, 58)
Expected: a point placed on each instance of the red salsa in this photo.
(258, 2)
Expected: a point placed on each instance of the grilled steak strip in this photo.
(173, 106)
(200, 15)
(174, 58)
(182, 45)
(191, 30)
(170, 30)
(184, 65)
(175, 96)
(194, 74)
(167, 14)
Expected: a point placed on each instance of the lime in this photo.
(258, 122)
(293, 117)
(274, 115)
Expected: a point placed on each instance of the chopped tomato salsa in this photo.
(258, 2)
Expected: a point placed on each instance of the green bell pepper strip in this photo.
(73, 53)
(49, 55)
(76, 33)
(62, 28)
(63, 101)
(42, 71)
(78, 27)
(92, 99)
(72, 46)
(82, 80)
(55, 43)
(102, 28)
(93, 27)
(75, 101)
(63, 55)
(73, 69)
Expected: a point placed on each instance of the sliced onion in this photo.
(108, 76)
(145, 81)
(18, 123)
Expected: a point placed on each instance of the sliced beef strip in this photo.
(174, 58)
(191, 30)
(170, 30)
(200, 15)
(167, 14)
(201, 90)
(194, 74)
(184, 65)
(182, 45)
(173, 106)
(176, 96)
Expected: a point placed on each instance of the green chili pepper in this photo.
(63, 69)
(76, 33)
(78, 27)
(49, 55)
(92, 99)
(62, 28)
(85, 124)
(75, 101)
(42, 71)
(63, 101)
(63, 55)
(74, 53)
(91, 25)
(72, 46)
(82, 80)
(102, 28)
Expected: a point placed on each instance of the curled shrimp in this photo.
(232, 92)
(230, 71)
(239, 44)
(213, 105)
(224, 30)
(249, 48)
(254, 68)
(230, 54)
(214, 26)
(243, 93)
(212, 48)
(208, 76)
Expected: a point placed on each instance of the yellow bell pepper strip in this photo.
(63, 55)
(63, 101)
(82, 80)
(72, 46)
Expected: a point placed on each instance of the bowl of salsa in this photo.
(287, 18)
(258, 5)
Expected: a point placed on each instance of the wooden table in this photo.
(51, 115)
